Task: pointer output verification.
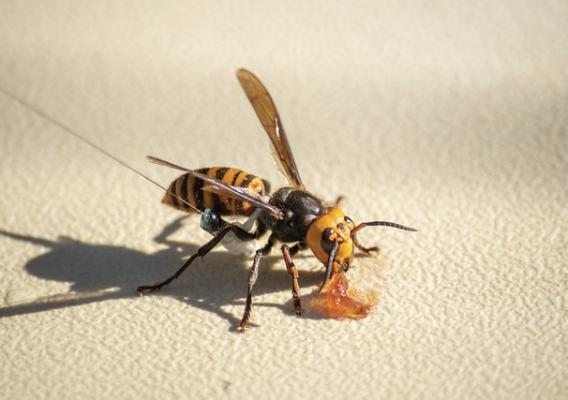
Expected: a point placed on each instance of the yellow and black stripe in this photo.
(188, 187)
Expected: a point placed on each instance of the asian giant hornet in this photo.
(292, 214)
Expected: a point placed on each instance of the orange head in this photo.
(331, 237)
(332, 226)
(333, 233)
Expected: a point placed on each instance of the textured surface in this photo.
(452, 119)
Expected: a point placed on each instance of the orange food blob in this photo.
(336, 300)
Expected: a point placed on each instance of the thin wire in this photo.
(93, 145)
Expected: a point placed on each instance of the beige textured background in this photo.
(447, 116)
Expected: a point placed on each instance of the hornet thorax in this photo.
(300, 209)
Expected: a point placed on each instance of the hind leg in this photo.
(201, 252)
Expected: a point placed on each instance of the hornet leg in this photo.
(293, 272)
(253, 274)
(201, 252)
(365, 250)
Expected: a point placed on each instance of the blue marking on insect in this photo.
(211, 221)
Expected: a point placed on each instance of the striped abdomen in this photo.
(188, 188)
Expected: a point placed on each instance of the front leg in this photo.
(365, 250)
(293, 272)
(253, 275)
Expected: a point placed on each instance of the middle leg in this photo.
(253, 275)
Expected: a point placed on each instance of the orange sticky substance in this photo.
(336, 300)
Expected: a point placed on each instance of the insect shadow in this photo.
(220, 279)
